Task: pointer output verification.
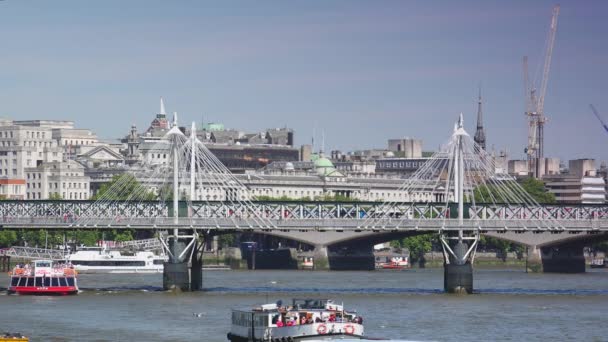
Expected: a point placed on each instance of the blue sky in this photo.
(364, 71)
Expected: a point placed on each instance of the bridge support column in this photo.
(534, 262)
(196, 269)
(175, 271)
(178, 274)
(563, 259)
(458, 253)
(321, 258)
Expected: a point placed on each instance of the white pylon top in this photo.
(459, 126)
(162, 107)
(174, 127)
(193, 129)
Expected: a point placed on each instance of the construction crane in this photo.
(535, 103)
(597, 115)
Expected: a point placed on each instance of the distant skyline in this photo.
(362, 71)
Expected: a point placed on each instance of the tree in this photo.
(55, 196)
(8, 238)
(536, 189)
(125, 187)
(417, 245)
(493, 193)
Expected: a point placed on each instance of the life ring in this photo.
(349, 329)
(322, 329)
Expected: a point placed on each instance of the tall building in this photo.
(581, 184)
(406, 147)
(32, 162)
(480, 134)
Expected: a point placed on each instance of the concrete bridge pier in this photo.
(534, 263)
(321, 258)
(183, 271)
(563, 259)
(344, 257)
(458, 253)
(175, 271)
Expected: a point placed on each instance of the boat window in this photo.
(54, 282)
(38, 281)
(43, 264)
(70, 281)
(22, 281)
(158, 261)
(109, 263)
(62, 282)
(261, 321)
(47, 282)
(14, 281)
(30, 281)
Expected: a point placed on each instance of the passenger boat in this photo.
(102, 260)
(303, 320)
(13, 337)
(43, 278)
(396, 263)
(308, 263)
(598, 263)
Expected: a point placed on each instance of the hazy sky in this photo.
(364, 71)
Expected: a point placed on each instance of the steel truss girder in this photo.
(448, 252)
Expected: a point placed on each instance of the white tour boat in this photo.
(304, 320)
(101, 260)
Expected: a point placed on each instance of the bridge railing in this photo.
(89, 211)
(233, 223)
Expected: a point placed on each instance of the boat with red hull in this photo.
(43, 278)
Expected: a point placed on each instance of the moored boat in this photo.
(396, 263)
(102, 260)
(304, 320)
(598, 263)
(43, 277)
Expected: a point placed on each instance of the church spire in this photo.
(162, 107)
(480, 135)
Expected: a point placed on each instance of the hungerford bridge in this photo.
(471, 199)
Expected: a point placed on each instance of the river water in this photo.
(509, 305)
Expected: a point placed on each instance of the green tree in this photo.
(124, 187)
(493, 194)
(55, 196)
(225, 240)
(536, 189)
(86, 237)
(417, 245)
(8, 238)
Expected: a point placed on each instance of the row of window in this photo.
(10, 189)
(110, 263)
(75, 142)
(5, 172)
(42, 281)
(30, 135)
(70, 195)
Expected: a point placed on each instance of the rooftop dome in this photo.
(324, 167)
(323, 163)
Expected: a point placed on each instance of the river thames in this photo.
(509, 305)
